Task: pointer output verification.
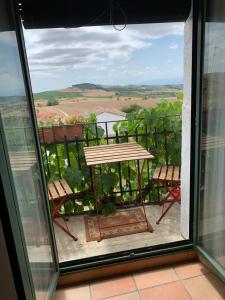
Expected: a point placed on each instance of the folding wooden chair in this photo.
(59, 192)
(169, 178)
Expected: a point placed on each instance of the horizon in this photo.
(112, 85)
(140, 54)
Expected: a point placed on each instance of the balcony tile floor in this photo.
(186, 281)
(167, 231)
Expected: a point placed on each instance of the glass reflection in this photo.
(17, 126)
(212, 200)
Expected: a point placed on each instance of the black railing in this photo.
(59, 156)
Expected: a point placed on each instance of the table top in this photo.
(22, 160)
(104, 154)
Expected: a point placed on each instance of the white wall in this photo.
(186, 131)
(104, 117)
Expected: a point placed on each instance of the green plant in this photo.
(52, 102)
(131, 108)
(158, 129)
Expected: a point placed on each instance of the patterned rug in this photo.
(122, 220)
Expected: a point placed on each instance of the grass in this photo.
(56, 95)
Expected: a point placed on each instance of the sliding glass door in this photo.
(20, 163)
(211, 210)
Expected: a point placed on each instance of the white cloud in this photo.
(173, 46)
(58, 50)
(9, 38)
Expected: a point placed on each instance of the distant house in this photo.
(107, 117)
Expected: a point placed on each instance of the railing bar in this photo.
(147, 147)
(97, 141)
(48, 170)
(87, 139)
(67, 151)
(56, 152)
(165, 143)
(96, 130)
(90, 171)
(79, 161)
(117, 137)
(106, 129)
(120, 179)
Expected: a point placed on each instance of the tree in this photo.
(131, 108)
(52, 102)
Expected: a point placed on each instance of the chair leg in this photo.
(65, 230)
(165, 212)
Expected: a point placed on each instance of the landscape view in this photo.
(81, 100)
(97, 86)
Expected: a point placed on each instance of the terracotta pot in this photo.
(74, 132)
(46, 135)
(59, 133)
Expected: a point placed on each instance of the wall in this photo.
(186, 130)
(7, 287)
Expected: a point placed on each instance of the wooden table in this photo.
(117, 153)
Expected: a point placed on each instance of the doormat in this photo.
(124, 222)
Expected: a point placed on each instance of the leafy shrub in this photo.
(52, 102)
(131, 108)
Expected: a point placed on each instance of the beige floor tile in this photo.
(205, 287)
(171, 291)
(81, 292)
(191, 269)
(130, 296)
(112, 287)
(156, 276)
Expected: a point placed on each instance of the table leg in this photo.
(96, 201)
(148, 225)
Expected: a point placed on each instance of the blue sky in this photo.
(11, 78)
(140, 54)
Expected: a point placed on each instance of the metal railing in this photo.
(58, 156)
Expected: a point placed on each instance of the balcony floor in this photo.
(167, 231)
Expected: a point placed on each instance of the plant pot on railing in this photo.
(74, 132)
(60, 133)
(46, 135)
(68, 132)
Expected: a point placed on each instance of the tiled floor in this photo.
(188, 281)
(167, 231)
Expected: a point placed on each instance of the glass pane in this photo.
(17, 126)
(212, 197)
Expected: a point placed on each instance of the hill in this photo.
(88, 86)
(89, 90)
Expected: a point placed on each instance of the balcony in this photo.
(63, 157)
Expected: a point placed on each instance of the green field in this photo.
(142, 92)
(56, 95)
